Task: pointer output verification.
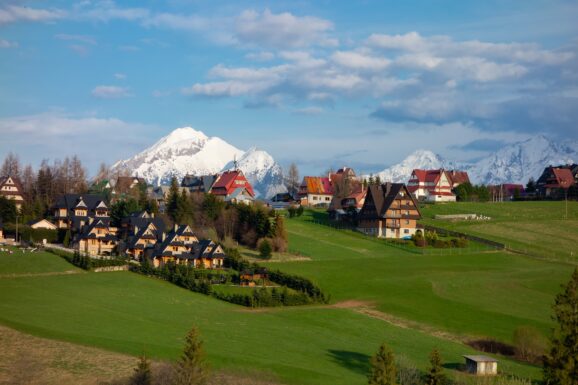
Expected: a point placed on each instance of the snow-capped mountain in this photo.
(189, 151)
(513, 163)
(422, 159)
(518, 162)
(261, 170)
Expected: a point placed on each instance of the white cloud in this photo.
(260, 56)
(110, 92)
(14, 13)
(120, 76)
(309, 111)
(177, 22)
(8, 44)
(360, 61)
(282, 29)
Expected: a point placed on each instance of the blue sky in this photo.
(323, 84)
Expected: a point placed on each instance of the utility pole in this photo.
(16, 239)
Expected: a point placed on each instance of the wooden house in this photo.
(142, 232)
(95, 239)
(431, 185)
(389, 211)
(208, 255)
(481, 365)
(316, 191)
(11, 188)
(199, 184)
(42, 224)
(73, 211)
(253, 277)
(555, 182)
(232, 186)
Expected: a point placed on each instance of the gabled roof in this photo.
(201, 183)
(459, 177)
(564, 177)
(124, 183)
(383, 196)
(229, 181)
(70, 201)
(317, 185)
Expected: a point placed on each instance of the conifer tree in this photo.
(561, 365)
(142, 373)
(192, 369)
(173, 200)
(383, 370)
(435, 375)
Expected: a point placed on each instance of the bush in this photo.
(460, 242)
(441, 244)
(265, 248)
(530, 344)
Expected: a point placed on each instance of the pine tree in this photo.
(66, 241)
(142, 373)
(192, 369)
(561, 365)
(383, 370)
(173, 200)
(435, 375)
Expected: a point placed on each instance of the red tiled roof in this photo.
(459, 177)
(229, 181)
(317, 185)
(564, 177)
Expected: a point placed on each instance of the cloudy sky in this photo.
(322, 83)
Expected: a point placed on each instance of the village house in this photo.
(431, 185)
(315, 191)
(160, 195)
(232, 186)
(198, 184)
(73, 211)
(458, 177)
(348, 193)
(126, 184)
(181, 246)
(555, 182)
(96, 238)
(11, 188)
(42, 224)
(389, 211)
(142, 231)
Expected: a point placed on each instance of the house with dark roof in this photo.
(11, 188)
(141, 231)
(232, 186)
(432, 185)
(389, 211)
(96, 238)
(555, 182)
(316, 191)
(181, 246)
(160, 194)
(199, 184)
(73, 211)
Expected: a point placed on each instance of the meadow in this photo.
(378, 293)
(541, 229)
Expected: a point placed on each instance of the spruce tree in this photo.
(173, 200)
(561, 365)
(383, 370)
(435, 375)
(192, 369)
(142, 373)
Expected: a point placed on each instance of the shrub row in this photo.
(85, 262)
(28, 234)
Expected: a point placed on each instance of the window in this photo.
(406, 231)
(327, 198)
(314, 198)
(407, 221)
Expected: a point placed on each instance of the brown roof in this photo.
(459, 177)
(384, 195)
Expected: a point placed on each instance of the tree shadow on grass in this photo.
(460, 367)
(354, 361)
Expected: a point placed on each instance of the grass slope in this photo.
(32, 263)
(535, 227)
(128, 313)
(484, 294)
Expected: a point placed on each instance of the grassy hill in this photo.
(128, 313)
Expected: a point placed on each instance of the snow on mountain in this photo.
(421, 159)
(518, 162)
(261, 170)
(188, 151)
(513, 163)
(183, 151)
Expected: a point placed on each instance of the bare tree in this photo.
(292, 179)
(103, 173)
(77, 176)
(11, 165)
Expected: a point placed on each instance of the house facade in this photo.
(431, 185)
(316, 191)
(555, 182)
(232, 186)
(182, 247)
(11, 188)
(96, 238)
(142, 232)
(73, 211)
(389, 211)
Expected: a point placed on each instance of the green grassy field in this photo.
(129, 313)
(381, 293)
(538, 228)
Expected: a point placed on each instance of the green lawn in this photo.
(129, 313)
(32, 263)
(538, 228)
(483, 294)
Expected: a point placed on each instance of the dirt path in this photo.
(16, 275)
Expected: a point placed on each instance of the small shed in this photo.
(481, 365)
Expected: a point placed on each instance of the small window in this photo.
(407, 222)
(406, 231)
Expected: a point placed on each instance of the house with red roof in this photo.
(316, 191)
(555, 182)
(458, 177)
(232, 186)
(431, 185)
